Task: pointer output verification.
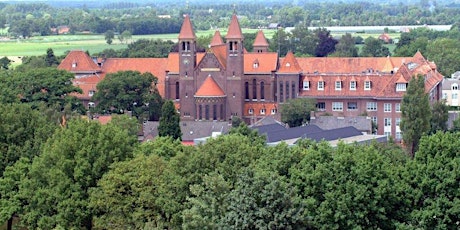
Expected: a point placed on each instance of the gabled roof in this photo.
(186, 31)
(209, 88)
(216, 39)
(290, 64)
(78, 61)
(220, 52)
(260, 40)
(234, 30)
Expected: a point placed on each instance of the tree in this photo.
(445, 52)
(264, 200)
(148, 48)
(296, 112)
(433, 179)
(169, 121)
(109, 35)
(346, 47)
(326, 44)
(304, 41)
(420, 44)
(50, 59)
(439, 117)
(50, 86)
(125, 36)
(126, 91)
(22, 131)
(139, 177)
(343, 189)
(71, 162)
(373, 47)
(280, 42)
(415, 114)
(5, 63)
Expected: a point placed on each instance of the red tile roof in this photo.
(216, 39)
(78, 61)
(267, 62)
(186, 31)
(172, 64)
(289, 64)
(87, 84)
(220, 51)
(156, 66)
(347, 65)
(257, 107)
(209, 88)
(234, 30)
(260, 39)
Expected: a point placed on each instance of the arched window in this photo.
(293, 90)
(214, 112)
(177, 90)
(287, 90)
(246, 90)
(221, 111)
(200, 110)
(281, 91)
(262, 91)
(254, 89)
(206, 112)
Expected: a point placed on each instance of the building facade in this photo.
(227, 81)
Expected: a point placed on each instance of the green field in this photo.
(96, 43)
(93, 43)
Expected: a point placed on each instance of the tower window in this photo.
(177, 91)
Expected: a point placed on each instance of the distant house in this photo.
(385, 38)
(60, 30)
(450, 90)
(273, 26)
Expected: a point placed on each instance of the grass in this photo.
(95, 43)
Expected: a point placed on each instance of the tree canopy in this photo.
(296, 112)
(169, 121)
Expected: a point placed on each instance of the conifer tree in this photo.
(416, 114)
(169, 121)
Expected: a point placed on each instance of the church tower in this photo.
(184, 86)
(260, 44)
(235, 68)
(187, 48)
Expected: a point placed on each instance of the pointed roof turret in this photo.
(389, 66)
(186, 31)
(418, 57)
(260, 39)
(290, 64)
(234, 30)
(209, 88)
(217, 39)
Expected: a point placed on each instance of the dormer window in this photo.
(91, 93)
(352, 85)
(367, 85)
(273, 111)
(262, 111)
(401, 87)
(288, 64)
(74, 64)
(255, 65)
(306, 85)
(338, 85)
(251, 111)
(320, 85)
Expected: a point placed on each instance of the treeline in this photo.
(143, 19)
(72, 178)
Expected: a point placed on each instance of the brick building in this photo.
(227, 81)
